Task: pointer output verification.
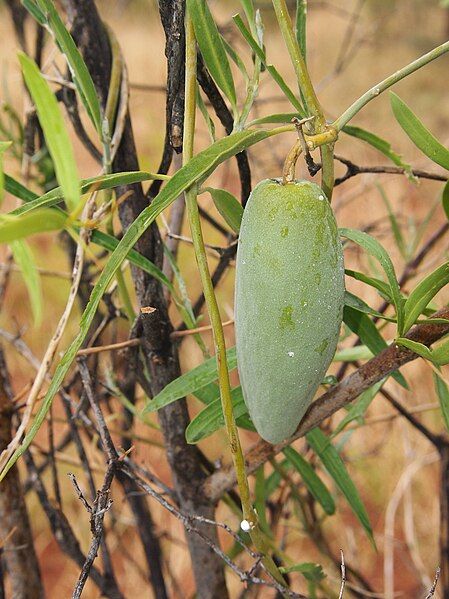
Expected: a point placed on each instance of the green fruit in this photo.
(288, 302)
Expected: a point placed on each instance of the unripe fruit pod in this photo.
(288, 302)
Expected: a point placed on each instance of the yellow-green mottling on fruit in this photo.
(288, 302)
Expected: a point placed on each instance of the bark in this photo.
(172, 17)
(160, 353)
(19, 557)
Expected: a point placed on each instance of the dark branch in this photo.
(353, 170)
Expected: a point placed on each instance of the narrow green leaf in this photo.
(416, 347)
(79, 71)
(182, 287)
(439, 355)
(189, 382)
(380, 144)
(311, 572)
(24, 259)
(98, 237)
(442, 391)
(423, 293)
(417, 233)
(4, 145)
(235, 59)
(184, 304)
(272, 482)
(301, 22)
(333, 463)
(373, 247)
(280, 117)
(248, 7)
(211, 418)
(255, 47)
(432, 320)
(418, 132)
(39, 221)
(259, 503)
(55, 196)
(56, 136)
(207, 118)
(289, 94)
(195, 171)
(34, 11)
(396, 229)
(110, 243)
(359, 407)
(211, 393)
(352, 354)
(364, 327)
(445, 199)
(381, 286)
(311, 480)
(259, 52)
(228, 206)
(208, 394)
(18, 190)
(358, 304)
(212, 48)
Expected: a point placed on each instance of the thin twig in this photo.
(110, 347)
(432, 590)
(208, 327)
(354, 169)
(105, 436)
(97, 512)
(343, 575)
(79, 493)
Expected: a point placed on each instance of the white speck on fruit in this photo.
(321, 197)
(291, 354)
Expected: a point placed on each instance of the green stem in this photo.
(307, 91)
(388, 82)
(213, 309)
(328, 175)
(302, 74)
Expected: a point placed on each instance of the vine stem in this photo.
(388, 82)
(214, 313)
(302, 74)
(307, 90)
